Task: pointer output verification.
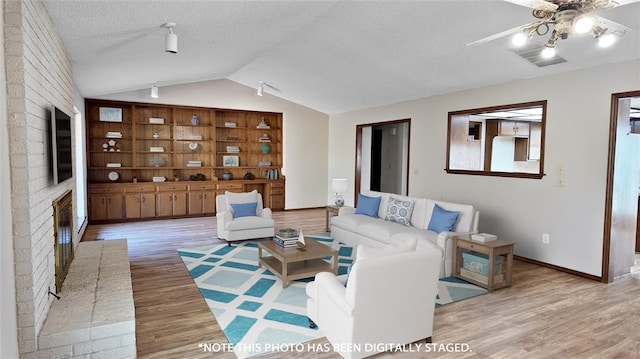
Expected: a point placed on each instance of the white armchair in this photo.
(388, 299)
(234, 227)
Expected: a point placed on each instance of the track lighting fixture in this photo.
(260, 88)
(154, 91)
(172, 39)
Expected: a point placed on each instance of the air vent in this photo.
(532, 54)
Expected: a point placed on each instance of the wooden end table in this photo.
(332, 210)
(292, 263)
(492, 249)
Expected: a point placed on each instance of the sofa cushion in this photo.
(442, 220)
(244, 197)
(368, 205)
(350, 222)
(465, 219)
(382, 231)
(399, 211)
(243, 209)
(418, 217)
(249, 223)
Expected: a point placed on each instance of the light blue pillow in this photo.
(442, 220)
(243, 209)
(368, 205)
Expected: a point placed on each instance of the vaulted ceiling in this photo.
(332, 56)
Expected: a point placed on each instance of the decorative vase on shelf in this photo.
(266, 148)
(227, 175)
(195, 120)
(158, 161)
(156, 135)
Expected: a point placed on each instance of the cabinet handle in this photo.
(175, 197)
(143, 199)
(137, 199)
(205, 196)
(170, 198)
(103, 200)
(109, 201)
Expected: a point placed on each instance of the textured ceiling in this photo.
(330, 56)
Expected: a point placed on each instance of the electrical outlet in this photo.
(545, 238)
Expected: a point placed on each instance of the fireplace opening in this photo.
(62, 235)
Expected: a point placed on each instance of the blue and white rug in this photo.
(256, 314)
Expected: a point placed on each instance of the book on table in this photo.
(285, 242)
(483, 237)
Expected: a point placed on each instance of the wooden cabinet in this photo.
(513, 128)
(138, 151)
(202, 199)
(140, 201)
(172, 200)
(274, 195)
(105, 207)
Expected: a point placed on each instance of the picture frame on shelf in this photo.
(230, 161)
(110, 114)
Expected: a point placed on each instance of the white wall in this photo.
(305, 131)
(38, 76)
(8, 313)
(519, 210)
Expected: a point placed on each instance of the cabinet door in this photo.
(209, 202)
(132, 206)
(165, 204)
(97, 207)
(114, 207)
(147, 205)
(195, 202)
(522, 129)
(179, 203)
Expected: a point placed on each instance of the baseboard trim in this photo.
(562, 269)
(303, 209)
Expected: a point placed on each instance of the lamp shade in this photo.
(339, 185)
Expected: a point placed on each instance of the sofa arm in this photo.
(328, 283)
(346, 210)
(445, 237)
(222, 218)
(266, 213)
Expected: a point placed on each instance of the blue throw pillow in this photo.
(368, 205)
(442, 220)
(243, 209)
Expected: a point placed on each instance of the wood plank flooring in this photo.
(546, 314)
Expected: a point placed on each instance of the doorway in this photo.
(623, 179)
(382, 157)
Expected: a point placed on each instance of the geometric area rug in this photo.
(255, 313)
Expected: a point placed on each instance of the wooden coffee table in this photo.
(292, 263)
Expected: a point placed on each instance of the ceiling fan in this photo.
(562, 18)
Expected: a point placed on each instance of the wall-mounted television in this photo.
(61, 153)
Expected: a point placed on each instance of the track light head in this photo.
(172, 39)
(154, 91)
(260, 88)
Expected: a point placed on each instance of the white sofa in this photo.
(357, 229)
(380, 302)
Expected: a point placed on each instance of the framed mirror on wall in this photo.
(505, 140)
(382, 157)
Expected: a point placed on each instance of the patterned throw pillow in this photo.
(399, 211)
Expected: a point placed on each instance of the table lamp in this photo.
(339, 186)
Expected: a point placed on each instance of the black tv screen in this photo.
(61, 145)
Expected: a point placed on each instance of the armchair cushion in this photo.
(442, 220)
(243, 209)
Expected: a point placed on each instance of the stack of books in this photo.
(156, 149)
(286, 237)
(194, 164)
(264, 138)
(233, 149)
(113, 134)
(264, 163)
(111, 164)
(194, 137)
(156, 120)
(230, 124)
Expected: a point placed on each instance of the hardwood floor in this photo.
(546, 314)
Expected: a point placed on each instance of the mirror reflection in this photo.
(497, 141)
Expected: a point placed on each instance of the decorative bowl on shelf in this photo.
(158, 161)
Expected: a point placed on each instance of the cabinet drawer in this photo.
(106, 189)
(476, 247)
(201, 186)
(140, 188)
(277, 184)
(277, 191)
(229, 186)
(173, 187)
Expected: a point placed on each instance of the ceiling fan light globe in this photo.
(519, 39)
(548, 52)
(583, 25)
(606, 40)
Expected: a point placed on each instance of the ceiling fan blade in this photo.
(611, 26)
(514, 30)
(540, 4)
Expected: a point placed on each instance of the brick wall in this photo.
(38, 76)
